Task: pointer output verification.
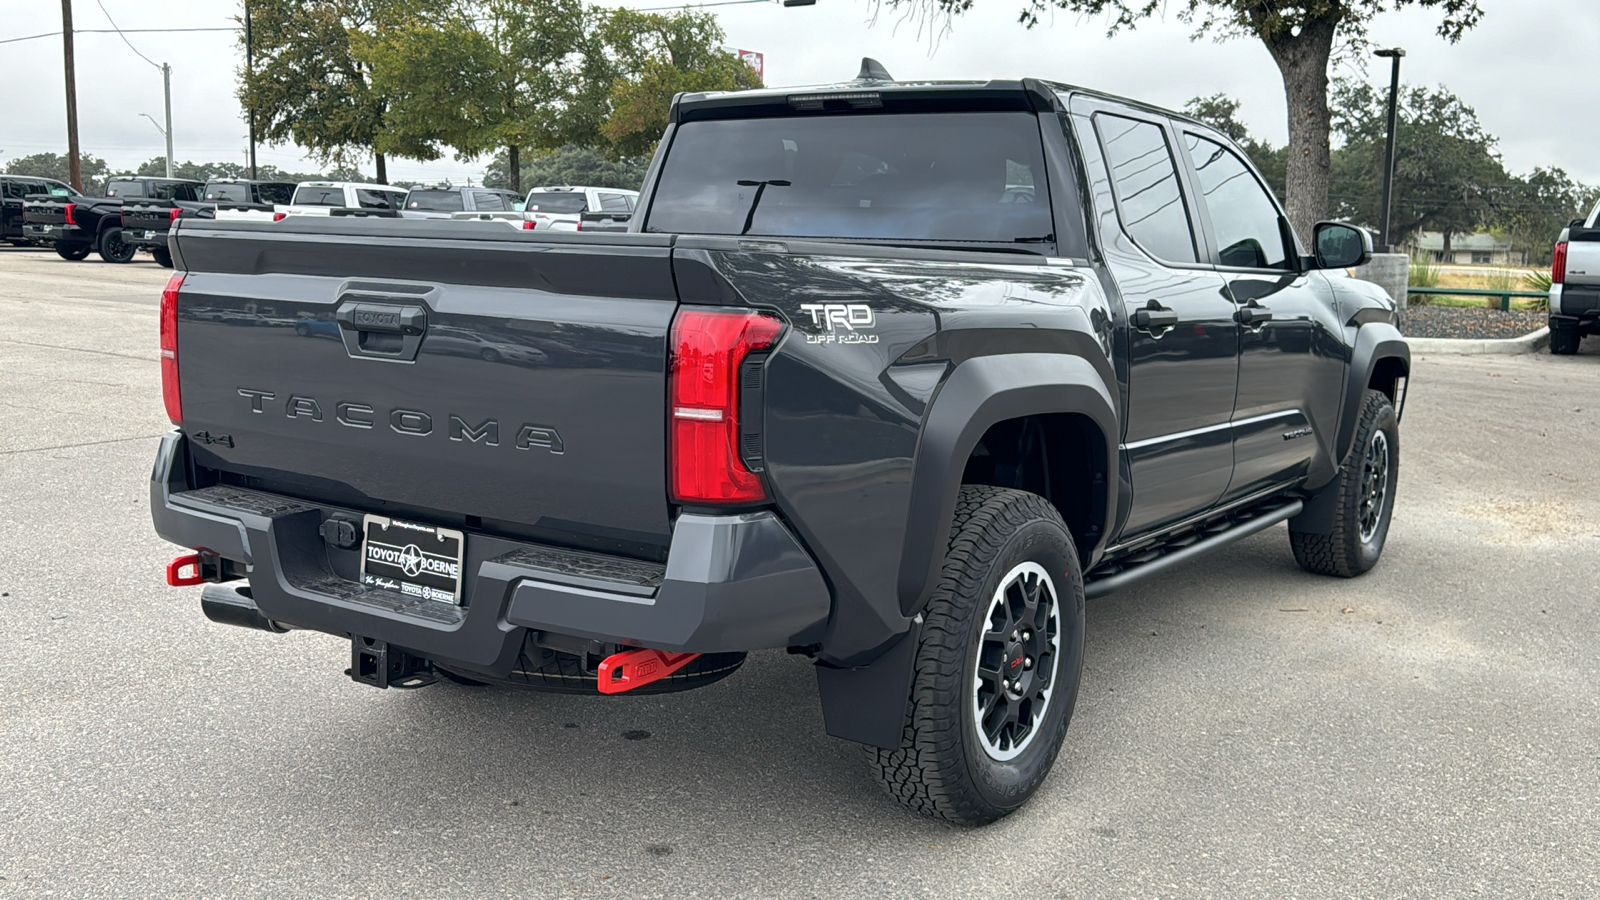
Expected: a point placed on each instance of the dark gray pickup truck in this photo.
(893, 376)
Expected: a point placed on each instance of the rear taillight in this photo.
(279, 217)
(70, 208)
(172, 214)
(1558, 264)
(169, 350)
(709, 348)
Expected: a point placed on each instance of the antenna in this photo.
(872, 70)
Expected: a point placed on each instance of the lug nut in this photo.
(1027, 635)
(1013, 635)
(1027, 663)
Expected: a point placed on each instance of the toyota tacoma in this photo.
(892, 376)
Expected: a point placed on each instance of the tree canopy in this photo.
(569, 165)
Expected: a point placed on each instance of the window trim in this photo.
(1185, 187)
(1293, 252)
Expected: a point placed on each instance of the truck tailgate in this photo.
(148, 215)
(452, 371)
(50, 211)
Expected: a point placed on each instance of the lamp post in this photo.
(1394, 55)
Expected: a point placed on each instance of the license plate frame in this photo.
(411, 558)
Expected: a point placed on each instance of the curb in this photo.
(1528, 343)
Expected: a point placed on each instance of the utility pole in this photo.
(249, 70)
(74, 165)
(166, 85)
(1393, 55)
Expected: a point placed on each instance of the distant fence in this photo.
(1505, 296)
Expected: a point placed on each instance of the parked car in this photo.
(559, 208)
(460, 202)
(77, 226)
(1575, 284)
(848, 400)
(323, 198)
(244, 199)
(14, 189)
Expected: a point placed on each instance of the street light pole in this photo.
(1394, 55)
(166, 86)
(74, 166)
(249, 69)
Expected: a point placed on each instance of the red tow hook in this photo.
(175, 576)
(629, 669)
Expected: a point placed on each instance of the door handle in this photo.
(1154, 315)
(1252, 314)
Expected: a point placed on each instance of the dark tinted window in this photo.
(369, 199)
(319, 196)
(1145, 181)
(177, 191)
(435, 201)
(1243, 216)
(557, 202)
(921, 176)
(16, 190)
(275, 192)
(228, 193)
(115, 188)
(487, 201)
(613, 203)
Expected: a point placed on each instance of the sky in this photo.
(1518, 68)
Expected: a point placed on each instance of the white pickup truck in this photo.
(562, 208)
(1575, 284)
(327, 198)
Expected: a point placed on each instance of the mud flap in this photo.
(868, 704)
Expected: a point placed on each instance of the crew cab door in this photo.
(1291, 358)
(1180, 341)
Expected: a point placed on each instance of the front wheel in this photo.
(114, 249)
(1364, 493)
(163, 258)
(998, 663)
(72, 252)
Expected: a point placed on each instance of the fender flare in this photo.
(978, 394)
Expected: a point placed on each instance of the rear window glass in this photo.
(561, 203)
(228, 193)
(319, 196)
(915, 176)
(438, 201)
(116, 188)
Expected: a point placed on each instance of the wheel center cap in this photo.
(1015, 669)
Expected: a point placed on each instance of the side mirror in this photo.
(1340, 246)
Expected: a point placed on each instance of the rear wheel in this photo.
(1564, 340)
(1364, 493)
(73, 252)
(113, 249)
(998, 665)
(163, 258)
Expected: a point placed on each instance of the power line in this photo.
(118, 31)
(123, 36)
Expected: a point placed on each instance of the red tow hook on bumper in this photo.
(629, 669)
(175, 576)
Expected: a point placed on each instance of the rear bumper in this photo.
(49, 234)
(730, 583)
(1575, 305)
(146, 239)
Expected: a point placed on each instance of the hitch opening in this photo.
(621, 672)
(383, 665)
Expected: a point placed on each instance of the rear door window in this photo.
(16, 190)
(613, 203)
(1242, 213)
(560, 203)
(1144, 179)
(969, 176)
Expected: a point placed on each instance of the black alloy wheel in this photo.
(114, 249)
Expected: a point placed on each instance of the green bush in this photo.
(1536, 281)
(1422, 274)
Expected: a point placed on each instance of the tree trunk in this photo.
(1303, 61)
(383, 171)
(514, 157)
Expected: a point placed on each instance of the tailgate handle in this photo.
(373, 329)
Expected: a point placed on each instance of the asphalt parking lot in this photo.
(1429, 730)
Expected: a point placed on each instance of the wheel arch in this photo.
(1060, 398)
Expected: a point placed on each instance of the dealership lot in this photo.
(1244, 729)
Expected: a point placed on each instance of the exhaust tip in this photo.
(228, 604)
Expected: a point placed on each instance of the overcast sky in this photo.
(1518, 69)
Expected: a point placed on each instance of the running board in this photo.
(1099, 587)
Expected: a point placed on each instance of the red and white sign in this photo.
(756, 60)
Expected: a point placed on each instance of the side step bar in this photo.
(1099, 587)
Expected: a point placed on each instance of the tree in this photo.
(569, 165)
(655, 57)
(1447, 174)
(55, 165)
(308, 86)
(1532, 210)
(483, 75)
(1221, 112)
(1300, 35)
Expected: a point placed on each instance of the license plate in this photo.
(417, 560)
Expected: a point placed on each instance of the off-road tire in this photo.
(1345, 552)
(941, 769)
(1564, 341)
(163, 258)
(73, 252)
(113, 249)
